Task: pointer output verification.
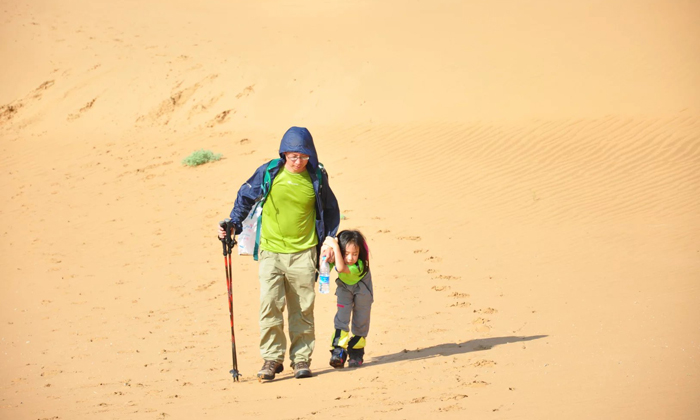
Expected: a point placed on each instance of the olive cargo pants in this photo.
(287, 280)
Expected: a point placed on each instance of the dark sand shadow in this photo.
(449, 349)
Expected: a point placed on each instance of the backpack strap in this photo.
(266, 186)
(320, 170)
(267, 179)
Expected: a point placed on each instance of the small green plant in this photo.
(200, 157)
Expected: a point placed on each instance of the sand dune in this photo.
(528, 176)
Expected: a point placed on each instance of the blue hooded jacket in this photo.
(298, 140)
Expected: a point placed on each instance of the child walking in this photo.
(350, 257)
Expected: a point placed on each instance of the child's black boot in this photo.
(338, 357)
(356, 357)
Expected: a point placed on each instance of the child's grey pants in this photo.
(355, 300)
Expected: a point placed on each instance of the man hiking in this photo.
(299, 210)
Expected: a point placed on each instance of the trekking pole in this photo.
(228, 243)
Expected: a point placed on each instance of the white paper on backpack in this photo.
(246, 239)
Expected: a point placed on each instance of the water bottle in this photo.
(323, 280)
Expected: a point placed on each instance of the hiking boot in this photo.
(356, 357)
(338, 357)
(301, 370)
(269, 369)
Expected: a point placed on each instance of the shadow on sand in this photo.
(449, 349)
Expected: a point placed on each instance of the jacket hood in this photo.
(299, 140)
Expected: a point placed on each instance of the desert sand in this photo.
(527, 175)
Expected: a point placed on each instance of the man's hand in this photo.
(327, 252)
(221, 232)
(328, 249)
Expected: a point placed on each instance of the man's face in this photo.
(296, 162)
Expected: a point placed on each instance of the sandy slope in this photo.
(528, 176)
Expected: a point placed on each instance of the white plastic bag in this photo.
(246, 239)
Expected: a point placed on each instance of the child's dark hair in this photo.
(355, 237)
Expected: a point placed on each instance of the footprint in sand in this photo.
(220, 118)
(389, 410)
(484, 363)
(409, 238)
(247, 91)
(51, 373)
(486, 311)
(446, 277)
(481, 325)
(162, 113)
(82, 110)
(437, 330)
(44, 86)
(454, 397)
(477, 384)
(7, 112)
(453, 407)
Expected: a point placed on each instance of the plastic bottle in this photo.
(323, 280)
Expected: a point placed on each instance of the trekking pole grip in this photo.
(225, 241)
